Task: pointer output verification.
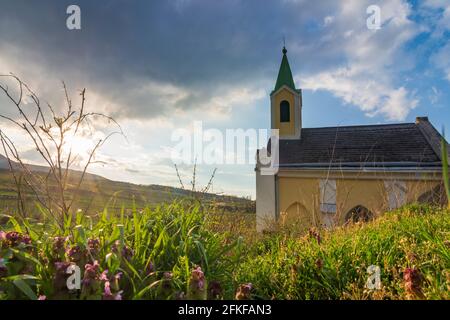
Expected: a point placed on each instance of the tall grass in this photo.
(333, 265)
(179, 251)
(445, 174)
(155, 250)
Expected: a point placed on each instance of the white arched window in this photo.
(328, 196)
(396, 193)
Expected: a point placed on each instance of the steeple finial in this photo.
(284, 46)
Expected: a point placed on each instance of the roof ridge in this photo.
(363, 126)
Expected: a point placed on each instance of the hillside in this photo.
(97, 192)
(410, 246)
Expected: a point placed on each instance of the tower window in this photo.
(285, 115)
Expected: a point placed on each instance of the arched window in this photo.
(285, 114)
(359, 214)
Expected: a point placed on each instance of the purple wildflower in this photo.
(13, 238)
(215, 290)
(3, 268)
(59, 245)
(244, 292)
(314, 234)
(412, 281)
(59, 281)
(76, 254)
(126, 251)
(94, 246)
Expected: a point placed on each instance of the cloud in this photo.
(441, 60)
(367, 76)
(442, 14)
(138, 64)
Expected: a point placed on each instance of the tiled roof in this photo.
(392, 145)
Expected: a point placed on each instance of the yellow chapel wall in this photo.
(370, 193)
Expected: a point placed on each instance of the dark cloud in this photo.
(201, 47)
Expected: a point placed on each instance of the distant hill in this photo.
(97, 192)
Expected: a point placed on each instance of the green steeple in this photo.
(285, 74)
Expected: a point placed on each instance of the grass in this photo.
(184, 250)
(333, 265)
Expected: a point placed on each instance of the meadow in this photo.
(186, 250)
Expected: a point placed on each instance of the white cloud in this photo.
(367, 78)
(442, 60)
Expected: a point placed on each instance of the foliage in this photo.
(181, 251)
(152, 254)
(411, 246)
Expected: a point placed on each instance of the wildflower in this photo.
(108, 295)
(59, 281)
(2, 235)
(412, 257)
(76, 254)
(59, 245)
(197, 284)
(244, 292)
(180, 295)
(412, 281)
(91, 270)
(126, 251)
(150, 268)
(215, 290)
(91, 279)
(319, 264)
(198, 278)
(314, 234)
(3, 268)
(93, 246)
(42, 297)
(26, 239)
(13, 238)
(166, 280)
(104, 275)
(447, 243)
(165, 286)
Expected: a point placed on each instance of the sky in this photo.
(159, 66)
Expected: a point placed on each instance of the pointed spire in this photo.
(285, 74)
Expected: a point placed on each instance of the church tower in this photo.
(286, 103)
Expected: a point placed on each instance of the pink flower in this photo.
(3, 268)
(13, 238)
(42, 297)
(76, 253)
(59, 245)
(108, 295)
(413, 282)
(244, 292)
(215, 290)
(93, 246)
(198, 278)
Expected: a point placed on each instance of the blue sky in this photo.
(160, 65)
